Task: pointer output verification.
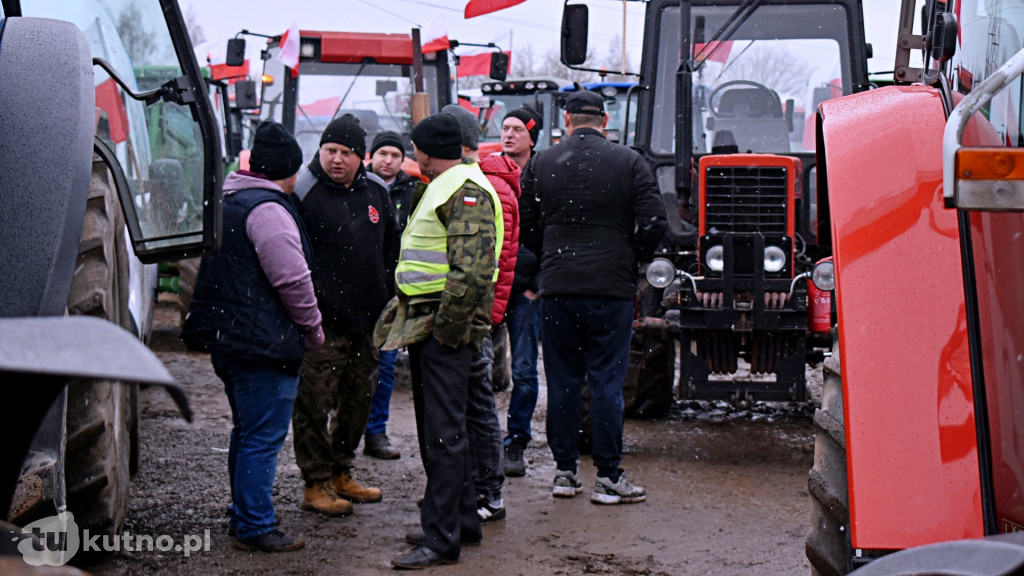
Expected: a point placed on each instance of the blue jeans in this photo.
(523, 320)
(261, 400)
(380, 405)
(586, 339)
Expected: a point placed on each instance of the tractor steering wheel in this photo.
(715, 96)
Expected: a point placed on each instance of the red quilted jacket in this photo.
(504, 176)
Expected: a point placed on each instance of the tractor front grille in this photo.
(745, 200)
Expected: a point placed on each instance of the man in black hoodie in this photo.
(354, 231)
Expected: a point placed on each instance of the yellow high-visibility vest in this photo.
(423, 263)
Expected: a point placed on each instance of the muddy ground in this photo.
(727, 494)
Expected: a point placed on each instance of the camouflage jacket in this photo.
(461, 313)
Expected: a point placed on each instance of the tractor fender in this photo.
(992, 556)
(47, 122)
(39, 356)
(909, 413)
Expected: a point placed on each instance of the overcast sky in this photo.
(534, 22)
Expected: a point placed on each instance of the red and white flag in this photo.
(434, 37)
(480, 7)
(289, 54)
(477, 62)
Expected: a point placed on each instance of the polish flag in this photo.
(289, 54)
(481, 7)
(434, 37)
(477, 62)
(716, 51)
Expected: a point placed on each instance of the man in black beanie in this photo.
(387, 153)
(520, 130)
(255, 312)
(354, 231)
(442, 311)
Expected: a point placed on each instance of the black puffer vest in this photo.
(235, 310)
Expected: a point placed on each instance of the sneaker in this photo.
(379, 446)
(566, 484)
(489, 511)
(273, 541)
(621, 492)
(514, 463)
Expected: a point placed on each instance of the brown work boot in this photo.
(321, 498)
(346, 487)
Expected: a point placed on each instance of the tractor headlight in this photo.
(715, 258)
(824, 276)
(660, 273)
(774, 259)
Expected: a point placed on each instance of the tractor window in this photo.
(159, 145)
(757, 90)
(380, 102)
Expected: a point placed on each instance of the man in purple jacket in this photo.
(255, 312)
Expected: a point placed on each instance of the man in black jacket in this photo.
(354, 231)
(591, 210)
(387, 153)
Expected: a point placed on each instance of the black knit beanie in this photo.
(439, 136)
(345, 130)
(275, 153)
(530, 119)
(387, 138)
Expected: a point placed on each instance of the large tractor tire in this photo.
(648, 389)
(828, 544)
(100, 414)
(188, 272)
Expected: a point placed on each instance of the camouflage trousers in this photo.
(335, 390)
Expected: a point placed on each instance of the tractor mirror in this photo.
(245, 95)
(386, 86)
(499, 66)
(236, 52)
(574, 34)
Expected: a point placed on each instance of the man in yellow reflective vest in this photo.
(445, 289)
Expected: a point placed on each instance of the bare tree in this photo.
(773, 66)
(137, 40)
(195, 29)
(522, 64)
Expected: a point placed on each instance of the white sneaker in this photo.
(566, 484)
(621, 492)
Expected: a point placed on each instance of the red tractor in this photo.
(918, 439)
(738, 176)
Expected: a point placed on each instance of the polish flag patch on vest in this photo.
(469, 200)
(374, 215)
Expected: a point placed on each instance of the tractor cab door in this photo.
(155, 126)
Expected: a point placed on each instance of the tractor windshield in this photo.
(379, 95)
(757, 89)
(160, 145)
